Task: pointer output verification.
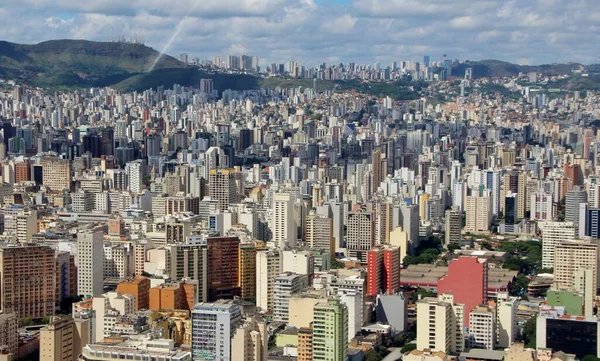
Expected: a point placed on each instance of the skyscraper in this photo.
(268, 267)
(222, 187)
(440, 324)
(223, 260)
(90, 258)
(282, 222)
(574, 198)
(213, 327)
(360, 236)
(571, 256)
(453, 229)
(552, 234)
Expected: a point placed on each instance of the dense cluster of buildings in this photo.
(272, 224)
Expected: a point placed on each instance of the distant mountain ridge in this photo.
(82, 63)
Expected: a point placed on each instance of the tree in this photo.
(335, 263)
(529, 332)
(408, 347)
(453, 247)
(373, 355)
(25, 321)
(519, 286)
(590, 358)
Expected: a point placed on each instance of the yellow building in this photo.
(247, 271)
(63, 339)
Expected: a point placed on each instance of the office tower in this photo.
(247, 272)
(506, 319)
(223, 260)
(383, 271)
(250, 341)
(522, 195)
(107, 308)
(319, 232)
(136, 171)
(479, 214)
(376, 158)
(138, 286)
(574, 198)
(440, 324)
(64, 339)
(330, 331)
(453, 229)
(90, 268)
(9, 334)
(207, 344)
(222, 187)
(283, 225)
(570, 334)
(66, 276)
(190, 261)
(482, 328)
(468, 73)
(118, 261)
(467, 280)
(300, 262)
(28, 280)
(305, 345)
(206, 86)
(355, 302)
(426, 60)
(569, 257)
(56, 173)
(541, 207)
(173, 296)
(268, 267)
(552, 234)
(360, 236)
(284, 286)
(153, 145)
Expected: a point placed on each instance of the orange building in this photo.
(305, 336)
(173, 296)
(22, 171)
(139, 286)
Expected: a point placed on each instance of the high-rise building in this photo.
(467, 280)
(173, 296)
(569, 257)
(139, 286)
(506, 319)
(574, 198)
(208, 318)
(20, 223)
(330, 331)
(453, 229)
(541, 207)
(28, 280)
(360, 236)
(222, 187)
(300, 262)
(440, 325)
(223, 260)
(570, 334)
(136, 171)
(107, 308)
(250, 341)
(552, 234)
(268, 267)
(482, 328)
(9, 334)
(283, 224)
(305, 337)
(64, 339)
(190, 261)
(206, 86)
(319, 232)
(247, 271)
(284, 286)
(479, 214)
(56, 173)
(90, 259)
(383, 270)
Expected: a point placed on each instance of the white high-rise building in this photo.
(541, 207)
(213, 327)
(570, 257)
(283, 225)
(354, 301)
(268, 267)
(107, 309)
(136, 171)
(506, 320)
(90, 267)
(479, 214)
(552, 234)
(300, 262)
(440, 324)
(482, 328)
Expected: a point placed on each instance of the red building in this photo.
(383, 270)
(223, 259)
(467, 280)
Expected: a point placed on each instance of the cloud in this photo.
(364, 31)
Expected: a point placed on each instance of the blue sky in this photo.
(332, 31)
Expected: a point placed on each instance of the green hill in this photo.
(497, 68)
(68, 63)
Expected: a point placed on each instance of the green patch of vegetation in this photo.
(408, 348)
(529, 330)
(336, 263)
(525, 257)
(427, 252)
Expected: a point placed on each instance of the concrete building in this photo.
(9, 334)
(190, 261)
(107, 308)
(20, 223)
(173, 296)
(541, 207)
(56, 173)
(330, 331)
(285, 285)
(90, 264)
(268, 267)
(319, 232)
(570, 334)
(136, 349)
(392, 310)
(479, 214)
(28, 280)
(222, 187)
(223, 261)
(300, 262)
(506, 319)
(440, 325)
(354, 301)
(250, 341)
(301, 308)
(360, 235)
(207, 344)
(247, 271)
(552, 234)
(64, 339)
(482, 328)
(453, 228)
(575, 196)
(570, 256)
(283, 225)
(139, 287)
(305, 345)
(383, 270)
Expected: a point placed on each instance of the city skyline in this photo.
(325, 31)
